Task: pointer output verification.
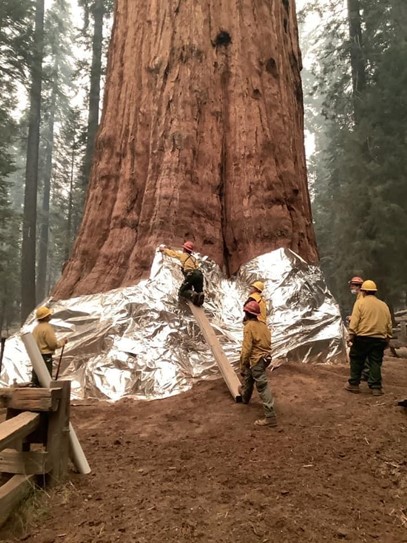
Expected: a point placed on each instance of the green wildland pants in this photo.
(257, 375)
(48, 362)
(193, 282)
(371, 348)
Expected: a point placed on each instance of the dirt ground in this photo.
(194, 468)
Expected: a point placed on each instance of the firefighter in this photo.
(370, 331)
(46, 340)
(192, 286)
(255, 357)
(255, 294)
(355, 285)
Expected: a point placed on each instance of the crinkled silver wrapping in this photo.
(142, 341)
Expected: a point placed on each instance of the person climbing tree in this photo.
(192, 287)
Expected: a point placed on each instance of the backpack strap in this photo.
(193, 259)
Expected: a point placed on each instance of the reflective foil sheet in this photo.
(142, 341)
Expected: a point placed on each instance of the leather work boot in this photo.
(201, 298)
(195, 298)
(240, 390)
(352, 388)
(267, 421)
(377, 392)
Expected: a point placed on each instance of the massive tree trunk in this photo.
(47, 174)
(28, 257)
(98, 11)
(201, 138)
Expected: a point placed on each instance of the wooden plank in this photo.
(17, 428)
(30, 399)
(12, 493)
(19, 444)
(58, 434)
(25, 463)
(226, 369)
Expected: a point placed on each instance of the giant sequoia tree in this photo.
(201, 138)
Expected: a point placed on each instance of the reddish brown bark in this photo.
(201, 138)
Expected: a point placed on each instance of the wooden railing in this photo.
(34, 441)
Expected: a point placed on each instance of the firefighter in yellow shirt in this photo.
(370, 331)
(256, 294)
(192, 286)
(46, 340)
(255, 357)
(355, 285)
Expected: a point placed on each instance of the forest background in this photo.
(52, 65)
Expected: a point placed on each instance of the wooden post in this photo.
(50, 425)
(58, 434)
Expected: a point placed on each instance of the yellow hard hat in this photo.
(259, 285)
(369, 285)
(43, 312)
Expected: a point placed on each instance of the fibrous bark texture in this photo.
(201, 138)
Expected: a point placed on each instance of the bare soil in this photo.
(194, 468)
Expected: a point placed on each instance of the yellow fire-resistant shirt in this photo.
(45, 338)
(370, 317)
(256, 342)
(257, 297)
(188, 262)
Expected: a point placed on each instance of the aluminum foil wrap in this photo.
(142, 341)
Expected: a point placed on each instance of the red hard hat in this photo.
(252, 307)
(356, 281)
(189, 246)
